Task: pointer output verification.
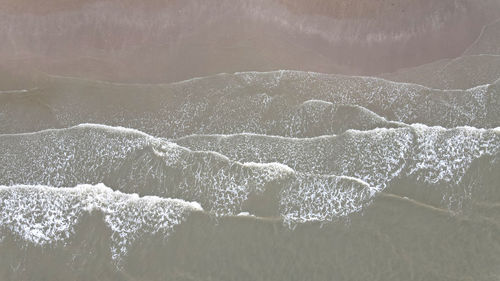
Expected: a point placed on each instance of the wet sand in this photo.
(164, 41)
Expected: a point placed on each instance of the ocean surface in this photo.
(385, 165)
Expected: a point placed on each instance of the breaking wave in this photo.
(432, 156)
(45, 215)
(133, 162)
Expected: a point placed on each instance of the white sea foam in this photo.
(324, 198)
(430, 155)
(135, 162)
(245, 214)
(132, 161)
(287, 103)
(44, 215)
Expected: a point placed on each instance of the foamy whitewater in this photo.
(250, 175)
(42, 214)
(323, 156)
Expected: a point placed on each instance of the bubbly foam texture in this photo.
(372, 156)
(403, 102)
(305, 104)
(443, 155)
(317, 117)
(44, 215)
(431, 155)
(323, 199)
(285, 103)
(134, 162)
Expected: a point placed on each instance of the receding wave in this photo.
(459, 73)
(478, 65)
(273, 103)
(488, 41)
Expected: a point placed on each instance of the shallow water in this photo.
(255, 175)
